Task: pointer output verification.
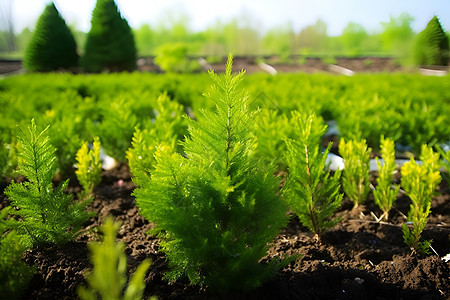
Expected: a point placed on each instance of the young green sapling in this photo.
(313, 194)
(89, 168)
(48, 215)
(356, 178)
(108, 277)
(385, 193)
(419, 183)
(216, 208)
(167, 128)
(14, 272)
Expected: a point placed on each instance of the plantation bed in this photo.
(358, 259)
(310, 65)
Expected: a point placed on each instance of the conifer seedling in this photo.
(47, 215)
(313, 194)
(89, 167)
(385, 193)
(14, 272)
(108, 277)
(216, 208)
(165, 129)
(356, 178)
(419, 183)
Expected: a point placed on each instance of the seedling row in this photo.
(216, 173)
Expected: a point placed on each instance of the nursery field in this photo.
(358, 259)
(152, 181)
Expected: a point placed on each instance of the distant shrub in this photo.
(329, 60)
(172, 58)
(52, 45)
(431, 46)
(110, 42)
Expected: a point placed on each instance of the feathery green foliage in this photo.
(52, 45)
(445, 163)
(312, 193)
(216, 210)
(172, 58)
(14, 273)
(48, 215)
(66, 133)
(271, 129)
(431, 45)
(8, 159)
(108, 278)
(110, 42)
(385, 193)
(167, 128)
(89, 167)
(419, 183)
(116, 128)
(356, 178)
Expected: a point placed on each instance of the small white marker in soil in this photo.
(268, 68)
(359, 280)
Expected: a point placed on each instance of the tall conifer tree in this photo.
(432, 47)
(110, 42)
(52, 45)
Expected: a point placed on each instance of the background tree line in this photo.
(243, 38)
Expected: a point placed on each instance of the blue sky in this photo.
(263, 14)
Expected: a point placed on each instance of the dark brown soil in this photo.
(358, 259)
(314, 65)
(10, 66)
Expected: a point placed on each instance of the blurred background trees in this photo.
(7, 37)
(52, 45)
(110, 42)
(397, 36)
(431, 45)
(116, 46)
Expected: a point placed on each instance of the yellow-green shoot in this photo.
(419, 183)
(89, 167)
(356, 178)
(385, 193)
